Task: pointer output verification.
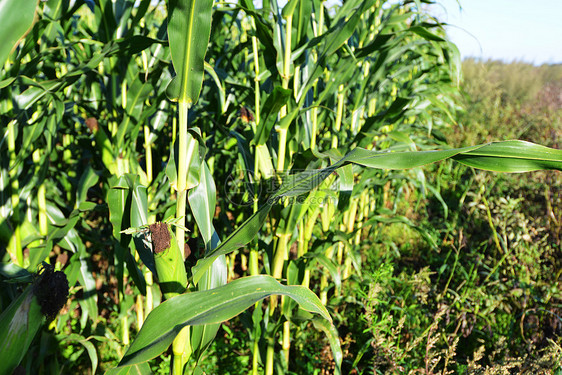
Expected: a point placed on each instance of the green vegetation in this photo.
(225, 189)
(511, 101)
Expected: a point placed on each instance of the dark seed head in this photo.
(92, 124)
(160, 237)
(51, 289)
(246, 115)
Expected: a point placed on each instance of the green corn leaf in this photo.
(338, 36)
(7, 82)
(289, 8)
(14, 273)
(54, 9)
(118, 201)
(61, 231)
(104, 13)
(345, 183)
(240, 237)
(330, 266)
(220, 87)
(138, 369)
(381, 41)
(208, 307)
(286, 121)
(513, 157)
(88, 179)
(302, 21)
(139, 202)
(300, 183)
(399, 160)
(332, 334)
(508, 156)
(138, 93)
(89, 303)
(333, 39)
(16, 17)
(103, 145)
(290, 217)
(195, 165)
(36, 92)
(87, 344)
(277, 99)
(189, 29)
(19, 323)
(202, 200)
(203, 335)
(127, 203)
(141, 11)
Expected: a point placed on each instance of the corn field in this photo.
(168, 166)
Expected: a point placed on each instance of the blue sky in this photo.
(522, 30)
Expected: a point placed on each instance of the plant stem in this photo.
(187, 147)
(350, 228)
(314, 120)
(41, 199)
(149, 297)
(282, 147)
(41, 203)
(280, 254)
(270, 355)
(339, 115)
(286, 77)
(125, 325)
(321, 18)
(277, 272)
(324, 278)
(255, 51)
(286, 341)
(254, 255)
(182, 347)
(255, 356)
(148, 154)
(314, 114)
(14, 246)
(140, 312)
(287, 54)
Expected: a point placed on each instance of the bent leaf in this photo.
(240, 237)
(332, 334)
(210, 307)
(507, 156)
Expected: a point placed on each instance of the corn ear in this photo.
(168, 259)
(23, 318)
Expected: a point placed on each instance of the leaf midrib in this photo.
(185, 80)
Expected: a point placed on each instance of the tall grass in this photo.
(509, 101)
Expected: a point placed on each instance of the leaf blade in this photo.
(209, 307)
(189, 30)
